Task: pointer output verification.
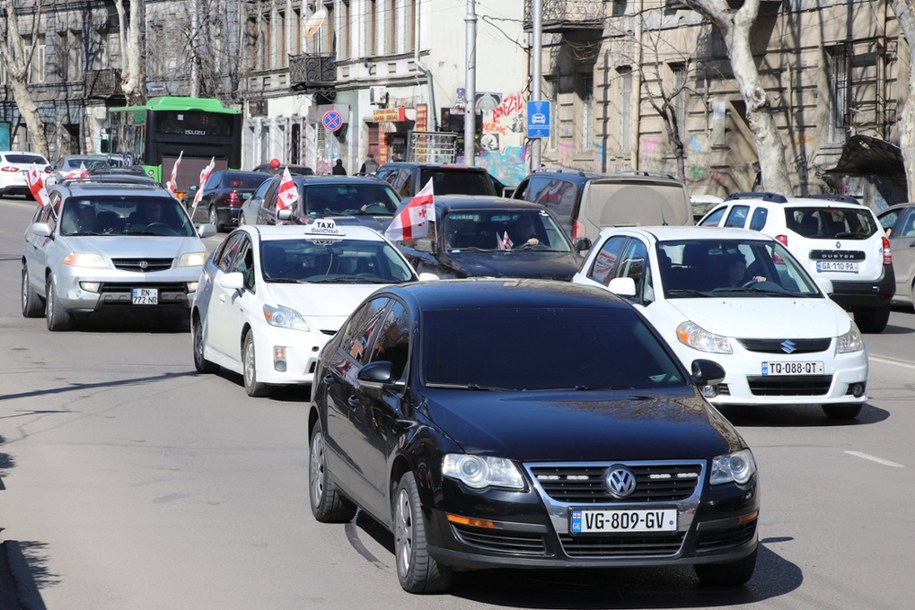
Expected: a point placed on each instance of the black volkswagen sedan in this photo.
(480, 236)
(526, 424)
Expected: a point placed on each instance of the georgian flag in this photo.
(36, 185)
(412, 222)
(204, 174)
(172, 183)
(505, 243)
(287, 194)
(82, 172)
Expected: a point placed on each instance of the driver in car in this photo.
(146, 214)
(736, 271)
(524, 232)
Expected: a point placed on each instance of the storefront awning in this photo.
(869, 156)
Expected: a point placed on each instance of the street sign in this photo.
(332, 120)
(538, 119)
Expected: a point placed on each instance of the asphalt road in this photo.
(133, 483)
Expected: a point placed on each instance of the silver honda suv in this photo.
(106, 244)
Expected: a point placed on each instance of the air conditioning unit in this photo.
(378, 95)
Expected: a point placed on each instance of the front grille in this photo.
(713, 540)
(585, 484)
(500, 541)
(807, 385)
(774, 346)
(622, 545)
(137, 264)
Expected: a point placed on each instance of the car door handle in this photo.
(328, 378)
(222, 299)
(353, 401)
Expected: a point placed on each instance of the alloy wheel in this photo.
(316, 465)
(403, 532)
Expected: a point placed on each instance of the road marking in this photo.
(891, 361)
(873, 458)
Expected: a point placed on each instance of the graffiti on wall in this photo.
(503, 138)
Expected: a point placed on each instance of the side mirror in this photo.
(376, 372)
(192, 188)
(247, 196)
(232, 281)
(206, 230)
(582, 244)
(41, 229)
(707, 372)
(285, 214)
(428, 277)
(424, 245)
(825, 285)
(622, 286)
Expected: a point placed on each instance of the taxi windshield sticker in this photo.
(323, 226)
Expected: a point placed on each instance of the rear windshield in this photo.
(457, 181)
(829, 223)
(18, 158)
(375, 199)
(244, 181)
(601, 349)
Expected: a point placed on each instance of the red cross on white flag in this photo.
(412, 222)
(288, 193)
(35, 182)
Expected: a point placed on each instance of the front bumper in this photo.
(300, 350)
(175, 289)
(532, 529)
(877, 293)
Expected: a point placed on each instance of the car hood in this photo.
(134, 246)
(521, 264)
(584, 425)
(758, 318)
(334, 302)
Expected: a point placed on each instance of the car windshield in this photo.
(549, 348)
(458, 181)
(124, 215)
(376, 199)
(503, 230)
(244, 180)
(736, 267)
(831, 223)
(342, 261)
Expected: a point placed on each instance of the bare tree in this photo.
(132, 42)
(905, 14)
(17, 59)
(735, 25)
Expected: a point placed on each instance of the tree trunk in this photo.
(131, 38)
(29, 113)
(905, 14)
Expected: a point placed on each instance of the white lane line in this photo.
(891, 361)
(873, 458)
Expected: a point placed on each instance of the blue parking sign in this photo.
(538, 119)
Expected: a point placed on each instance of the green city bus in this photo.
(155, 134)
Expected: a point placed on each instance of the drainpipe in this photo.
(433, 112)
(470, 87)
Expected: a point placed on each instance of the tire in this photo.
(733, 574)
(842, 411)
(872, 319)
(32, 307)
(253, 387)
(327, 504)
(198, 338)
(57, 317)
(417, 571)
(213, 219)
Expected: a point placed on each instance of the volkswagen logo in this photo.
(620, 481)
(789, 346)
(144, 265)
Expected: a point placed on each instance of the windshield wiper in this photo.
(470, 249)
(686, 292)
(459, 386)
(82, 233)
(284, 280)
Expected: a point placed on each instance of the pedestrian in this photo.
(338, 169)
(370, 166)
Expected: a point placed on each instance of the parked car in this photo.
(898, 221)
(68, 166)
(349, 199)
(835, 238)
(409, 178)
(476, 236)
(526, 424)
(110, 247)
(13, 167)
(224, 192)
(741, 299)
(586, 202)
(269, 298)
(278, 169)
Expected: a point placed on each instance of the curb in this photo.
(29, 597)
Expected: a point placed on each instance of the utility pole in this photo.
(536, 71)
(470, 84)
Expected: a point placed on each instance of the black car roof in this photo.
(446, 166)
(483, 202)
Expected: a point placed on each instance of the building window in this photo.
(549, 92)
(295, 44)
(625, 75)
(345, 51)
(371, 28)
(679, 95)
(837, 66)
(390, 16)
(586, 95)
(37, 66)
(409, 20)
(281, 58)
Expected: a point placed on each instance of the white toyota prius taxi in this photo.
(739, 298)
(270, 297)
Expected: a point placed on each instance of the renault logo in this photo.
(144, 265)
(620, 481)
(789, 346)
(838, 245)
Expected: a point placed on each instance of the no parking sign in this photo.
(332, 120)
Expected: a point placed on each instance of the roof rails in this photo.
(111, 179)
(765, 196)
(648, 174)
(835, 197)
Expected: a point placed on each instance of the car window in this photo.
(714, 218)
(213, 181)
(227, 251)
(348, 199)
(124, 214)
(261, 191)
(758, 220)
(503, 230)
(611, 348)
(634, 264)
(25, 158)
(737, 216)
(830, 223)
(605, 260)
(907, 226)
(457, 181)
(349, 261)
(243, 262)
(393, 342)
(361, 327)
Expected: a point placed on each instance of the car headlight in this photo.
(192, 259)
(737, 467)
(85, 259)
(850, 341)
(478, 471)
(692, 335)
(285, 317)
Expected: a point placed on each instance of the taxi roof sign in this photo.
(322, 226)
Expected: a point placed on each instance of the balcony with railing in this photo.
(565, 15)
(312, 71)
(103, 83)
